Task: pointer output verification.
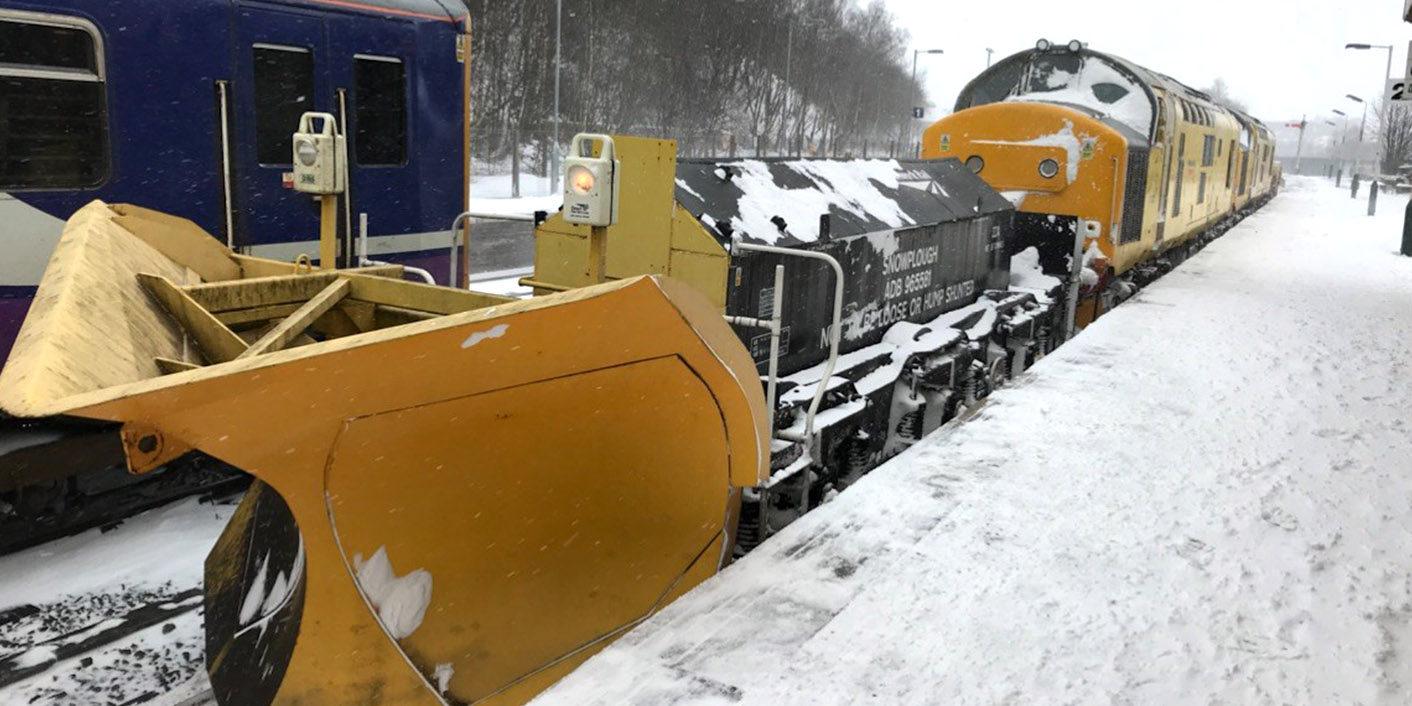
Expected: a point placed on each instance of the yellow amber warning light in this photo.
(581, 179)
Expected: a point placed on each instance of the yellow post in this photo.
(597, 242)
(328, 231)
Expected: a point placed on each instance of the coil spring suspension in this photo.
(748, 533)
(858, 455)
(910, 426)
(970, 389)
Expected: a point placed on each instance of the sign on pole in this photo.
(1398, 91)
(917, 112)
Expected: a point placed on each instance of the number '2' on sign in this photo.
(1398, 90)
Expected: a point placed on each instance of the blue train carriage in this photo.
(187, 107)
(929, 323)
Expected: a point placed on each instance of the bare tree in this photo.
(817, 76)
(1221, 93)
(1397, 138)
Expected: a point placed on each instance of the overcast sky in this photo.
(1282, 58)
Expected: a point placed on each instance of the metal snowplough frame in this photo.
(459, 496)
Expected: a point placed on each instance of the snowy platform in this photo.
(1206, 497)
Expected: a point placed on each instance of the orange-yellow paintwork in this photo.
(561, 466)
(1014, 136)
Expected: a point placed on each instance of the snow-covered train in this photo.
(1139, 164)
(899, 304)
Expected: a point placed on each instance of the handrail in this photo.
(456, 227)
(834, 331)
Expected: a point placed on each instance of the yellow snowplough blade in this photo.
(459, 497)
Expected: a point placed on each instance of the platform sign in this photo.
(917, 113)
(1398, 90)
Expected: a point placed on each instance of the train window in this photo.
(1208, 151)
(53, 121)
(1109, 92)
(284, 90)
(379, 111)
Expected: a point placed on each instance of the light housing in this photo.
(1043, 45)
(1049, 169)
(975, 163)
(1075, 45)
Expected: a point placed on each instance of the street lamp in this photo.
(554, 153)
(913, 103)
(1381, 82)
(988, 52)
(1343, 139)
(1358, 157)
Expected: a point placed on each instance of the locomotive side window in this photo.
(53, 121)
(379, 111)
(284, 90)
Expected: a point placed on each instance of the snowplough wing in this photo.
(459, 496)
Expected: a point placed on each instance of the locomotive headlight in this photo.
(1049, 169)
(307, 152)
(1043, 45)
(581, 179)
(1075, 45)
(975, 163)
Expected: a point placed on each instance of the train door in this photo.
(1163, 142)
(371, 63)
(1181, 172)
(281, 72)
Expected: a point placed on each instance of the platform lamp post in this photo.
(988, 53)
(913, 102)
(1362, 127)
(1378, 168)
(1343, 139)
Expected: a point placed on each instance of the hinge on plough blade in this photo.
(148, 449)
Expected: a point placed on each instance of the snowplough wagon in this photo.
(459, 495)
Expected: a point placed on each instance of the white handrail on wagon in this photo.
(456, 241)
(774, 325)
(835, 330)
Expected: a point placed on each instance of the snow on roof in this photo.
(781, 201)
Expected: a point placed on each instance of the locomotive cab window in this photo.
(379, 111)
(53, 118)
(284, 91)
(1109, 92)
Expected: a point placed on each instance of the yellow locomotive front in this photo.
(1066, 134)
(1097, 153)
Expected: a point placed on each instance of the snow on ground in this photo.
(1203, 498)
(83, 580)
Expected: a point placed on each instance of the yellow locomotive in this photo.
(1085, 143)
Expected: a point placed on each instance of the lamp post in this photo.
(912, 104)
(1362, 126)
(554, 153)
(988, 53)
(1378, 168)
(1343, 139)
